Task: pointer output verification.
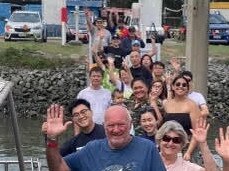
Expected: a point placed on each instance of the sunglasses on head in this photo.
(178, 84)
(175, 140)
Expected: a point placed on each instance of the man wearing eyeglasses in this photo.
(119, 151)
(88, 130)
(81, 114)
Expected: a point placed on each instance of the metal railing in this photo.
(35, 165)
(6, 94)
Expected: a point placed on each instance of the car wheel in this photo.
(44, 39)
(6, 40)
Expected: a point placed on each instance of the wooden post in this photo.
(197, 43)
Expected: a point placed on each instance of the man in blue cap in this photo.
(126, 43)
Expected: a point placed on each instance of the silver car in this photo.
(25, 25)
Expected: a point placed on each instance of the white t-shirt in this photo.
(99, 100)
(198, 98)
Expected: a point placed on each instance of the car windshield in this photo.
(25, 17)
(217, 19)
(82, 20)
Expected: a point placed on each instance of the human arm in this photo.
(200, 135)
(176, 65)
(204, 110)
(111, 66)
(194, 115)
(153, 51)
(153, 102)
(88, 19)
(222, 147)
(55, 127)
(110, 19)
(99, 61)
(100, 43)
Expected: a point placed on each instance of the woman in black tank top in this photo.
(181, 109)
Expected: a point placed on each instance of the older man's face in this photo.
(135, 58)
(117, 127)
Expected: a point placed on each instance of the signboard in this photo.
(85, 3)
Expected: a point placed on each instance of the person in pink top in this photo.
(172, 138)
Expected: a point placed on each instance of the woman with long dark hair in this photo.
(181, 109)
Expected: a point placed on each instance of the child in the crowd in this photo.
(117, 97)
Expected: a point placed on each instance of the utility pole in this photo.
(197, 43)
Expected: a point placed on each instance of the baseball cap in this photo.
(136, 43)
(115, 36)
(99, 19)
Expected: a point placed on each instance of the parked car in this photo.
(82, 26)
(218, 29)
(24, 25)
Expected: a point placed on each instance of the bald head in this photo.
(117, 110)
(117, 126)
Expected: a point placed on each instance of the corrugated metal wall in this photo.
(51, 15)
(5, 12)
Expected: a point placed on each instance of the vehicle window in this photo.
(82, 20)
(25, 17)
(71, 19)
(217, 19)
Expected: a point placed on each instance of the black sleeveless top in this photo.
(182, 118)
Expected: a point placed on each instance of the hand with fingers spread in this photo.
(201, 130)
(55, 121)
(222, 145)
(176, 64)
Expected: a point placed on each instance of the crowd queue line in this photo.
(141, 116)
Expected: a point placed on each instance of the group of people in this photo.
(133, 115)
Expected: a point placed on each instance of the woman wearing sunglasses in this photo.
(172, 138)
(181, 109)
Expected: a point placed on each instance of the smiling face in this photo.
(148, 123)
(117, 127)
(180, 87)
(170, 148)
(82, 116)
(124, 76)
(99, 24)
(156, 89)
(146, 61)
(140, 90)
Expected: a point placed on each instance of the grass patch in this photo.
(177, 49)
(36, 55)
